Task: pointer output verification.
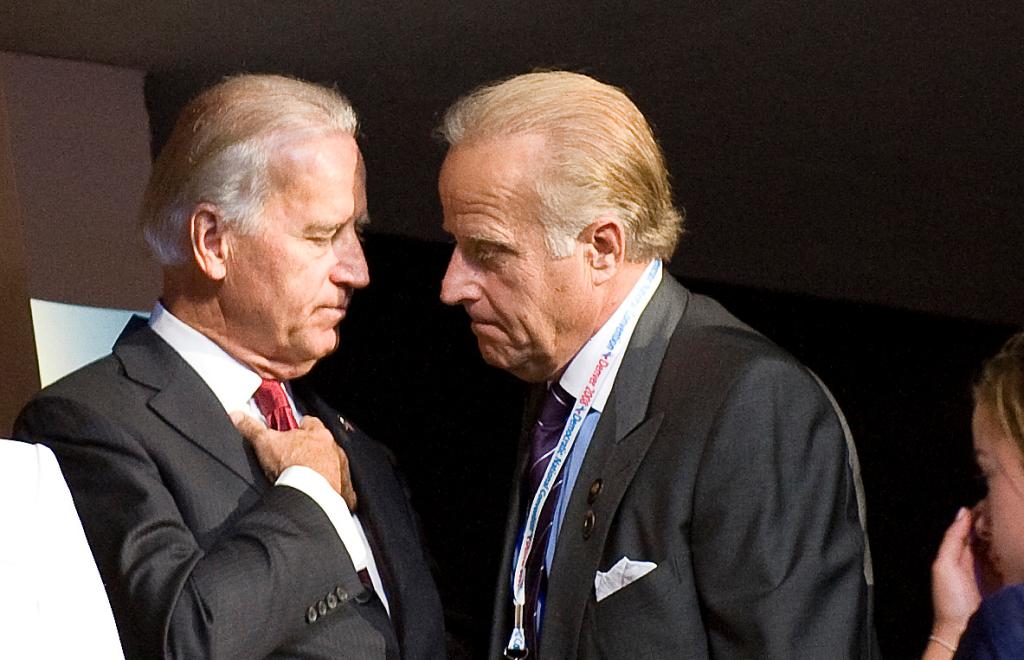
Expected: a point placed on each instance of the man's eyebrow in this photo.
(317, 227)
(491, 241)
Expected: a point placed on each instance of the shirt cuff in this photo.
(313, 484)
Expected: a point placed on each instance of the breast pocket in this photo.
(645, 595)
(654, 617)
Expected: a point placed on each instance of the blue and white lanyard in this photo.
(633, 305)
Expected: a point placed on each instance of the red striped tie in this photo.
(272, 401)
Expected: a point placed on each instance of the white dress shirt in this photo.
(234, 385)
(52, 602)
(574, 380)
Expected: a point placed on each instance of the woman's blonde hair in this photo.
(1001, 388)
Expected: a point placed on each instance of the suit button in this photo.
(332, 601)
(311, 615)
(321, 607)
(341, 593)
(588, 524)
(595, 490)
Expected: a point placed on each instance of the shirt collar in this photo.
(574, 378)
(231, 381)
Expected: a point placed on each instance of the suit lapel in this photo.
(182, 399)
(621, 440)
(364, 470)
(369, 480)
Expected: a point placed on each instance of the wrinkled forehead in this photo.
(492, 177)
(504, 160)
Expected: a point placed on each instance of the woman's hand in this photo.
(955, 594)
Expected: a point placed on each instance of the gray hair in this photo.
(601, 156)
(221, 152)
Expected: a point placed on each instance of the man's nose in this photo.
(351, 269)
(457, 286)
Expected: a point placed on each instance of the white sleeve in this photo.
(55, 567)
(313, 484)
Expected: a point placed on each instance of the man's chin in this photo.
(516, 364)
(315, 350)
(326, 347)
(493, 355)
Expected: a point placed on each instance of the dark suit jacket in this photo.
(720, 459)
(202, 556)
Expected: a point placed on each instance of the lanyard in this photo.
(632, 306)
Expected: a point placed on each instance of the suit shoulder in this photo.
(709, 327)
(98, 395)
(97, 380)
(713, 355)
(139, 361)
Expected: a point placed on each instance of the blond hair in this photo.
(601, 156)
(1001, 387)
(221, 152)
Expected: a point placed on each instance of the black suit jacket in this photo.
(723, 461)
(201, 555)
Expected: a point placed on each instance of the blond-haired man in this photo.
(687, 490)
(296, 541)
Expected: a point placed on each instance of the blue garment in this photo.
(570, 471)
(569, 474)
(996, 631)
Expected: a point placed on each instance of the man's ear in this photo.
(208, 234)
(605, 242)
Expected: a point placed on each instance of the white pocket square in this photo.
(624, 572)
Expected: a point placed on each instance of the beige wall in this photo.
(20, 375)
(74, 159)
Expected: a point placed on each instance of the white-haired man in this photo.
(299, 543)
(688, 490)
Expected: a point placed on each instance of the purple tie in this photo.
(546, 434)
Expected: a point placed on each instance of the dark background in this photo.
(850, 172)
(862, 150)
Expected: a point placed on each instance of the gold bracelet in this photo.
(941, 642)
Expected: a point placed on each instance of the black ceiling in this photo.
(823, 146)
